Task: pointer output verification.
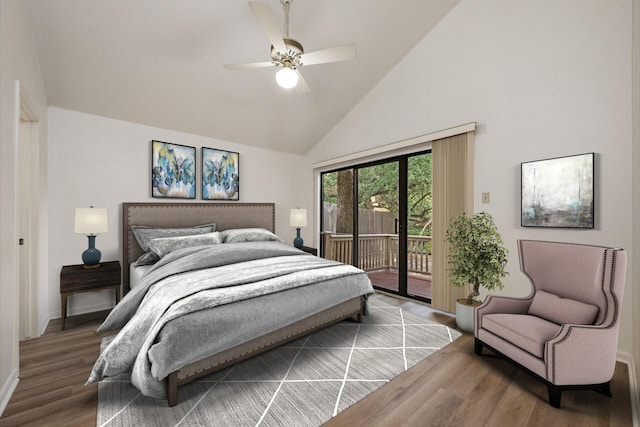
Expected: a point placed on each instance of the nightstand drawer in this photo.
(308, 249)
(76, 278)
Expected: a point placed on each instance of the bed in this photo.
(181, 318)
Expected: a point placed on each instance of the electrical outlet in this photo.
(485, 197)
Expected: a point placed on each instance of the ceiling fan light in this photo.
(287, 77)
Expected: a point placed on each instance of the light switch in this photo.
(485, 197)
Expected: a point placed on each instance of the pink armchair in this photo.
(566, 332)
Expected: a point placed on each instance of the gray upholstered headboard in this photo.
(224, 215)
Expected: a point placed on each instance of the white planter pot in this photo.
(464, 317)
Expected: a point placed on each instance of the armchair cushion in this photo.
(530, 333)
(562, 310)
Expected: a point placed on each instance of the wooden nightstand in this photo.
(312, 251)
(75, 279)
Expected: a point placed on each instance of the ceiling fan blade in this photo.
(265, 17)
(345, 52)
(248, 65)
(302, 87)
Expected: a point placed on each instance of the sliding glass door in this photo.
(377, 216)
(379, 223)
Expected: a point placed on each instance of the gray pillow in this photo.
(144, 233)
(236, 235)
(147, 258)
(163, 245)
(562, 310)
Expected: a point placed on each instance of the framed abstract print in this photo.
(220, 174)
(558, 192)
(173, 170)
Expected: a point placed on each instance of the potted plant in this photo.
(477, 258)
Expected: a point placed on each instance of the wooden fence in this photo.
(369, 221)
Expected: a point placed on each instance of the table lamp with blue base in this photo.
(91, 221)
(298, 219)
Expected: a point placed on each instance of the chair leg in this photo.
(478, 346)
(555, 394)
(605, 390)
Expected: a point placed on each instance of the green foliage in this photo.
(330, 187)
(477, 256)
(381, 181)
(419, 194)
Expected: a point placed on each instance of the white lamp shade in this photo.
(298, 218)
(91, 221)
(287, 77)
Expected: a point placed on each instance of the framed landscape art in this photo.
(220, 174)
(558, 192)
(173, 170)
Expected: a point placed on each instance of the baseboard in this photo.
(79, 310)
(43, 325)
(7, 390)
(633, 386)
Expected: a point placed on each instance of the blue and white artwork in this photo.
(173, 170)
(558, 192)
(220, 174)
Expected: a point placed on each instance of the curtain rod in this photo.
(445, 133)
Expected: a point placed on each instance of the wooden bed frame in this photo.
(225, 216)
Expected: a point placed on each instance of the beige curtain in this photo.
(452, 195)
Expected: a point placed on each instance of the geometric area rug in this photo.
(302, 383)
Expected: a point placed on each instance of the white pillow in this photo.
(164, 245)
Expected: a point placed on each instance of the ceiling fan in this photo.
(288, 54)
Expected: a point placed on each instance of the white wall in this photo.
(103, 162)
(542, 79)
(18, 62)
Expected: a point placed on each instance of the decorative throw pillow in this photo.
(236, 235)
(163, 245)
(144, 233)
(562, 310)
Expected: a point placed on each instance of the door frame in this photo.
(28, 197)
(403, 177)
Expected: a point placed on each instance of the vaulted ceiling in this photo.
(160, 62)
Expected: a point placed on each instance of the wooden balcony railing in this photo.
(379, 251)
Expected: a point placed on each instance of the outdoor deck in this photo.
(379, 258)
(417, 285)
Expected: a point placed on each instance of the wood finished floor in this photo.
(453, 387)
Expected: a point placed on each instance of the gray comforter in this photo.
(194, 280)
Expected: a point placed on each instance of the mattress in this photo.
(136, 273)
